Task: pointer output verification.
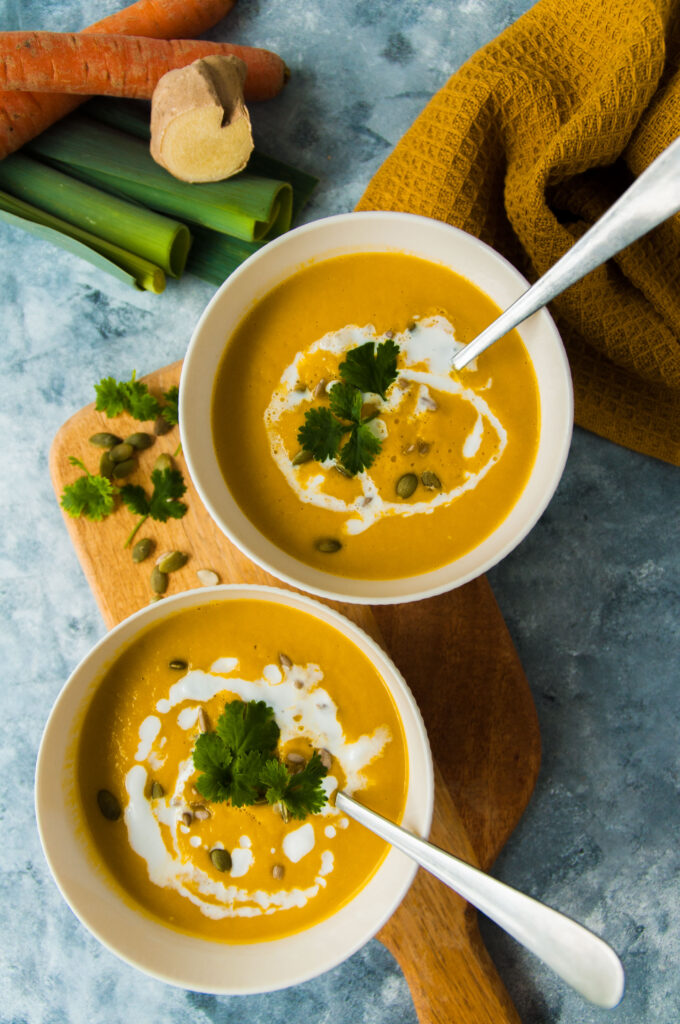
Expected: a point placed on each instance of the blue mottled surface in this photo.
(591, 597)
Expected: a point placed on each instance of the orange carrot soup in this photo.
(207, 763)
(343, 432)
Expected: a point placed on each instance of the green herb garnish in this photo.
(91, 495)
(164, 503)
(238, 763)
(133, 396)
(170, 411)
(366, 370)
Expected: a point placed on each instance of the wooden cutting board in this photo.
(458, 658)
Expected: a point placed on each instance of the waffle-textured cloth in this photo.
(525, 147)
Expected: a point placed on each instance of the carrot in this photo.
(114, 65)
(23, 115)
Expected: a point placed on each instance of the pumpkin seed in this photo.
(294, 758)
(423, 447)
(108, 805)
(207, 577)
(431, 481)
(173, 561)
(201, 813)
(178, 665)
(284, 660)
(339, 468)
(406, 485)
(164, 461)
(106, 466)
(142, 549)
(159, 580)
(105, 440)
(278, 871)
(161, 426)
(320, 388)
(157, 791)
(281, 809)
(187, 818)
(221, 859)
(122, 469)
(326, 758)
(328, 545)
(302, 456)
(140, 440)
(121, 452)
(203, 720)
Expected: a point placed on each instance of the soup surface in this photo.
(137, 741)
(456, 449)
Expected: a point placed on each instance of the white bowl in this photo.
(146, 943)
(373, 232)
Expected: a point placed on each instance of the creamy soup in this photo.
(158, 835)
(456, 449)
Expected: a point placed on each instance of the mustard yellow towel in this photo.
(527, 145)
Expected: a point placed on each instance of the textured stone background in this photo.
(591, 596)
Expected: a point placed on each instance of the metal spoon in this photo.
(582, 959)
(651, 199)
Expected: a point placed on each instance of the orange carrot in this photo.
(115, 65)
(23, 115)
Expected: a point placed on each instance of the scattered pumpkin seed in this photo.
(201, 813)
(105, 440)
(295, 758)
(320, 388)
(207, 577)
(221, 859)
(122, 469)
(412, 326)
(326, 758)
(142, 549)
(108, 805)
(121, 452)
(284, 660)
(203, 720)
(431, 481)
(106, 466)
(178, 665)
(164, 461)
(173, 561)
(339, 468)
(187, 817)
(278, 871)
(328, 545)
(281, 809)
(162, 555)
(157, 791)
(302, 456)
(161, 426)
(423, 447)
(140, 440)
(159, 581)
(406, 485)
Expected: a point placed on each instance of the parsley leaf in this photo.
(170, 411)
(346, 402)
(132, 396)
(237, 763)
(361, 449)
(244, 727)
(371, 369)
(321, 433)
(302, 793)
(164, 504)
(91, 496)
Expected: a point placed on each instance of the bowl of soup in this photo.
(327, 432)
(185, 788)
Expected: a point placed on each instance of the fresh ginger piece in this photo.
(200, 126)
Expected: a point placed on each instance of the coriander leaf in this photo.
(168, 486)
(134, 497)
(321, 433)
(110, 397)
(346, 401)
(132, 396)
(91, 496)
(302, 793)
(212, 758)
(170, 411)
(246, 771)
(371, 369)
(361, 449)
(243, 727)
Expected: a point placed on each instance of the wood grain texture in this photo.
(457, 656)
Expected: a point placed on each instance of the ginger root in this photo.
(200, 126)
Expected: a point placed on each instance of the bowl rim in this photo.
(212, 487)
(75, 696)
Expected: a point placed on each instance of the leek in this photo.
(245, 206)
(125, 266)
(213, 256)
(163, 242)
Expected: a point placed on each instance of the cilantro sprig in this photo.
(164, 503)
(91, 495)
(133, 396)
(367, 369)
(238, 763)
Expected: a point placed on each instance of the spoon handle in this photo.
(652, 198)
(582, 959)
